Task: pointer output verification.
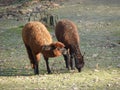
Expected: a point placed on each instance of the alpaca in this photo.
(37, 41)
(67, 33)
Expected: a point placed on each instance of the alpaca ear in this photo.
(83, 54)
(59, 44)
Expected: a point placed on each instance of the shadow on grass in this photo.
(15, 72)
(28, 72)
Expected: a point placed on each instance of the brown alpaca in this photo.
(67, 33)
(38, 41)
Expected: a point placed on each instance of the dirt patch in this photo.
(6, 2)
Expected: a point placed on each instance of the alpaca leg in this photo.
(72, 62)
(33, 59)
(36, 66)
(30, 55)
(36, 70)
(67, 61)
(47, 64)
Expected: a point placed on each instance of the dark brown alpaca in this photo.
(67, 33)
(38, 41)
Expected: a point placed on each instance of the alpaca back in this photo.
(35, 35)
(66, 32)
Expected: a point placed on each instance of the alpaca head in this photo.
(55, 49)
(79, 62)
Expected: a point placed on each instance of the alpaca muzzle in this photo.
(64, 51)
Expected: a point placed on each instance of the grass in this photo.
(87, 80)
(98, 27)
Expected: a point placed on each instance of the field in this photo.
(98, 23)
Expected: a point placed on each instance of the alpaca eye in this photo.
(53, 47)
(58, 48)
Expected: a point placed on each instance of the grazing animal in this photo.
(38, 41)
(67, 33)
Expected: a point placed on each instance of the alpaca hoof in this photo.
(49, 72)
